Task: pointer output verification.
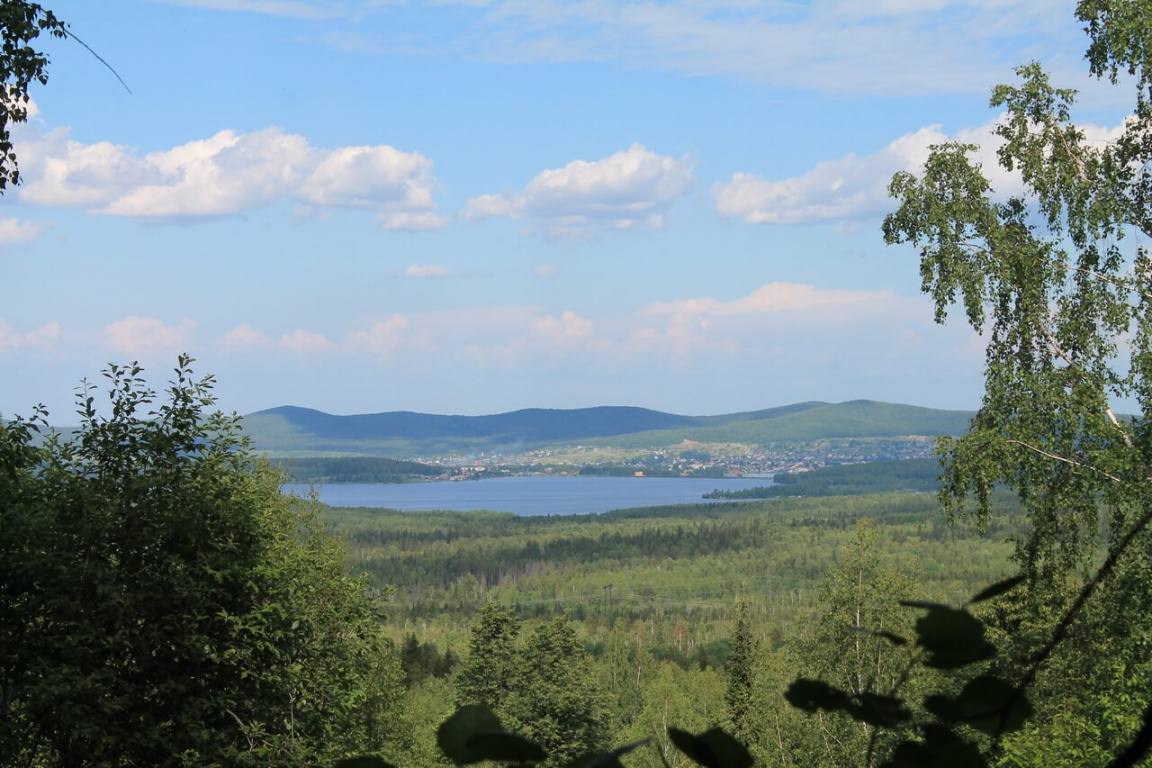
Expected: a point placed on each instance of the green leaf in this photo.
(990, 704)
(877, 709)
(454, 734)
(501, 746)
(608, 759)
(997, 589)
(364, 761)
(940, 748)
(891, 637)
(712, 749)
(943, 707)
(812, 695)
(952, 637)
(923, 604)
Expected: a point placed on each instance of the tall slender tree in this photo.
(740, 668)
(1055, 271)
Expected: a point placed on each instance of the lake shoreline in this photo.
(528, 495)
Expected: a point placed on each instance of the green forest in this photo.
(911, 475)
(163, 603)
(202, 614)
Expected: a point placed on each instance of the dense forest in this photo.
(913, 475)
(163, 603)
(355, 469)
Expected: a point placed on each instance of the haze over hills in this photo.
(294, 431)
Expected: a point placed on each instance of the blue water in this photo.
(531, 495)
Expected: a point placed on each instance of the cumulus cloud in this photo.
(567, 330)
(304, 342)
(243, 337)
(419, 271)
(227, 174)
(141, 336)
(14, 231)
(383, 337)
(43, 336)
(627, 190)
(856, 187)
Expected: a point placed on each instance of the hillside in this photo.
(293, 431)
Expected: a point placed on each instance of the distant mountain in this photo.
(293, 431)
(400, 433)
(810, 421)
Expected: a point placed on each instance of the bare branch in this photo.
(99, 58)
(243, 728)
(1064, 459)
(1118, 282)
(1073, 364)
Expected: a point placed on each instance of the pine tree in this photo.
(741, 677)
(553, 700)
(485, 676)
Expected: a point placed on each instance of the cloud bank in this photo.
(854, 187)
(227, 174)
(40, 337)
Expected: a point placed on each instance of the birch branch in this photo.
(1064, 459)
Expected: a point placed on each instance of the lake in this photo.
(533, 495)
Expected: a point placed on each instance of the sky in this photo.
(475, 206)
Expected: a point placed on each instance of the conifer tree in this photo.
(553, 700)
(486, 675)
(740, 669)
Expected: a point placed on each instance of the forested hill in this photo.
(290, 430)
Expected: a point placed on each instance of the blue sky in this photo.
(477, 206)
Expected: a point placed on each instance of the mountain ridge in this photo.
(295, 430)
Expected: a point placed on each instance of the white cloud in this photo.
(855, 187)
(141, 336)
(244, 337)
(546, 270)
(419, 271)
(292, 9)
(858, 47)
(60, 172)
(873, 47)
(536, 337)
(227, 174)
(770, 298)
(411, 222)
(15, 231)
(384, 337)
(366, 177)
(684, 328)
(38, 337)
(304, 342)
(630, 189)
(567, 330)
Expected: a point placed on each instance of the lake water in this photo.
(532, 495)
